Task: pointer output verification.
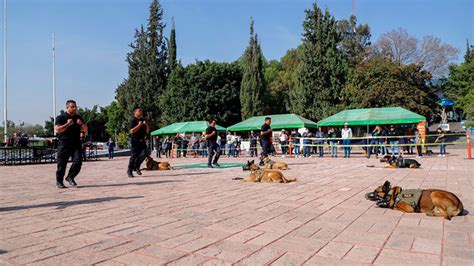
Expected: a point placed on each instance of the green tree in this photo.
(380, 82)
(172, 52)
(96, 119)
(355, 41)
(281, 79)
(322, 71)
(147, 69)
(460, 85)
(252, 90)
(202, 91)
(116, 121)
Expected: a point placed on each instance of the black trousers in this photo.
(65, 151)
(214, 150)
(266, 148)
(139, 152)
(253, 150)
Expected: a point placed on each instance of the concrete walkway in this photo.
(201, 216)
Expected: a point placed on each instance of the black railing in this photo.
(27, 155)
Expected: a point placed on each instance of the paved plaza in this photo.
(201, 216)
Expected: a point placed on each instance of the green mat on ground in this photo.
(204, 165)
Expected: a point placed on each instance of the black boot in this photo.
(71, 181)
(60, 185)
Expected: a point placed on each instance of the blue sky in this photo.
(92, 38)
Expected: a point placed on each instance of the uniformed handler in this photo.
(266, 138)
(139, 131)
(212, 146)
(68, 128)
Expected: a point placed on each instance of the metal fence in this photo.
(27, 155)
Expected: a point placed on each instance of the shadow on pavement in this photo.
(133, 184)
(65, 204)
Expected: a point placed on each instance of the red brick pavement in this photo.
(201, 216)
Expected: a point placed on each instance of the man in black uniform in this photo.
(68, 128)
(266, 138)
(212, 146)
(138, 134)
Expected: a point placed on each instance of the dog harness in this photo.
(410, 197)
(258, 174)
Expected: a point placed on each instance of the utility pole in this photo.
(5, 117)
(54, 82)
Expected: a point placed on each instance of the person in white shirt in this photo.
(346, 135)
(230, 145)
(283, 142)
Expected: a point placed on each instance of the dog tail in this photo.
(238, 178)
(289, 179)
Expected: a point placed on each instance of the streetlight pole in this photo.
(54, 82)
(5, 134)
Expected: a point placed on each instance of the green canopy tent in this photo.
(185, 127)
(282, 121)
(372, 117)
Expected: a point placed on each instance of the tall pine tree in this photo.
(147, 69)
(252, 89)
(321, 75)
(172, 52)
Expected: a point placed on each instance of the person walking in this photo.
(418, 143)
(346, 135)
(266, 138)
(307, 143)
(383, 141)
(138, 134)
(283, 142)
(374, 143)
(159, 146)
(213, 148)
(167, 147)
(441, 139)
(333, 136)
(68, 128)
(230, 144)
(391, 134)
(320, 142)
(111, 147)
(253, 144)
(295, 138)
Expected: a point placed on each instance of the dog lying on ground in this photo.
(400, 162)
(433, 202)
(269, 164)
(263, 175)
(154, 165)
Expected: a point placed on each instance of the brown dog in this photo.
(264, 175)
(154, 165)
(433, 202)
(269, 164)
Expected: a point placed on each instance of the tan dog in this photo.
(433, 202)
(264, 175)
(269, 164)
(154, 165)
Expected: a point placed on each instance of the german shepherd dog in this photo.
(433, 202)
(263, 175)
(154, 165)
(400, 162)
(267, 163)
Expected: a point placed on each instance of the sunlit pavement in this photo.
(202, 216)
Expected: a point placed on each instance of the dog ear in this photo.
(252, 162)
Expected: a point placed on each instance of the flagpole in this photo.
(5, 134)
(54, 82)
